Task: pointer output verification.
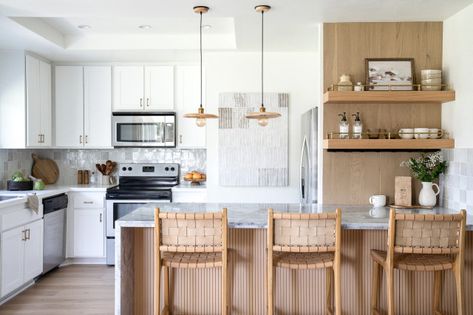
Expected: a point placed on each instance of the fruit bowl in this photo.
(195, 177)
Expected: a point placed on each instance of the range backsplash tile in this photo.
(69, 161)
(458, 181)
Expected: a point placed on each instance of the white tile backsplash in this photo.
(458, 180)
(69, 161)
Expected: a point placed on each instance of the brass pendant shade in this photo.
(262, 115)
(200, 116)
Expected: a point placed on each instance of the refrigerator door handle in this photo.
(302, 177)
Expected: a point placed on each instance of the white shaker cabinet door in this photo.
(45, 99)
(98, 106)
(69, 106)
(33, 102)
(188, 101)
(33, 250)
(128, 88)
(159, 88)
(12, 257)
(88, 233)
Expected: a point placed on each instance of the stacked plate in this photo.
(431, 80)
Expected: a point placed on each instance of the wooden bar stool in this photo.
(189, 240)
(421, 242)
(305, 241)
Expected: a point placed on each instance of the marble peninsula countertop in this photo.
(254, 215)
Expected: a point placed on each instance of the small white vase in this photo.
(427, 195)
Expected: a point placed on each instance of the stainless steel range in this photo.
(139, 184)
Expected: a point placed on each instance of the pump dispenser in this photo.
(357, 126)
(344, 126)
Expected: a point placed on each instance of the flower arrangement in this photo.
(427, 167)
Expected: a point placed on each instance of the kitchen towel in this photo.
(33, 202)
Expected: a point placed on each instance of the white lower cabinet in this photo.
(89, 232)
(21, 255)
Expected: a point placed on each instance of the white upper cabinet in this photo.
(97, 106)
(148, 88)
(128, 82)
(69, 93)
(188, 101)
(83, 106)
(159, 88)
(38, 102)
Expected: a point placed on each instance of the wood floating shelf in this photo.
(388, 144)
(389, 97)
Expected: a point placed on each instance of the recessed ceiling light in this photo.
(84, 26)
(206, 26)
(145, 27)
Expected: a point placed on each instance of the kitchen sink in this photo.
(4, 198)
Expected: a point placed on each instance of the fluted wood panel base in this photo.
(297, 292)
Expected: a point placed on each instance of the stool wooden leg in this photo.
(457, 271)
(338, 287)
(390, 289)
(271, 279)
(328, 291)
(166, 290)
(224, 289)
(375, 287)
(437, 291)
(157, 285)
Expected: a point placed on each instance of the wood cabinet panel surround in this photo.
(351, 177)
(298, 291)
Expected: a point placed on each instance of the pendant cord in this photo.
(200, 33)
(262, 57)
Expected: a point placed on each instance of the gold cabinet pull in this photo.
(23, 235)
(141, 102)
(147, 102)
(100, 218)
(28, 234)
(80, 139)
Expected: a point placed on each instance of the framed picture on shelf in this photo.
(395, 74)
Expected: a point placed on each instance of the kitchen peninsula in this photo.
(191, 293)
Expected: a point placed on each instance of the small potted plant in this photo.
(427, 168)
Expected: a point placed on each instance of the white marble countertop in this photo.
(50, 190)
(186, 186)
(255, 215)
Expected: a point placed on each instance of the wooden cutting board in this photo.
(45, 169)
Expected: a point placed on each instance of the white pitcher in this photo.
(427, 196)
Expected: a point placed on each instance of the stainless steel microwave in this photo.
(156, 130)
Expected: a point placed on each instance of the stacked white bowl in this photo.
(431, 80)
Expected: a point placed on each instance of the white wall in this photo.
(458, 65)
(293, 73)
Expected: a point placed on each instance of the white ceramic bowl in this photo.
(428, 72)
(434, 133)
(432, 81)
(421, 133)
(406, 133)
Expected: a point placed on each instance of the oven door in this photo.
(119, 208)
(143, 130)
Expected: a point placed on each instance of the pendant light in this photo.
(262, 116)
(200, 116)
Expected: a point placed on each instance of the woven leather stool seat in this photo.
(303, 260)
(192, 260)
(416, 262)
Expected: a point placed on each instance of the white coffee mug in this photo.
(378, 200)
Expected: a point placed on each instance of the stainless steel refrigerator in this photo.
(308, 163)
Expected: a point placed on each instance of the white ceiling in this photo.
(49, 27)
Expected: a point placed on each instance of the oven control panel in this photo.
(151, 169)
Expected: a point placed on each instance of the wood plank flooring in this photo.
(71, 290)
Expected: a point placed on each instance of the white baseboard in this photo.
(84, 261)
(12, 294)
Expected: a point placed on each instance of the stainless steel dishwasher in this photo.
(54, 241)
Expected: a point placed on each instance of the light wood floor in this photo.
(71, 290)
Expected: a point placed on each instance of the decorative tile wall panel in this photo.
(251, 155)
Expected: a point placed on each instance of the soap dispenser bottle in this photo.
(357, 126)
(344, 126)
